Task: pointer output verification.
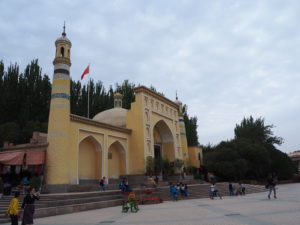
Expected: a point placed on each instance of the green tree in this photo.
(256, 130)
(191, 128)
(252, 154)
(150, 164)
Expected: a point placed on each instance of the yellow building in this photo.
(116, 141)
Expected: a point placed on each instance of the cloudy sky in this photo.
(227, 59)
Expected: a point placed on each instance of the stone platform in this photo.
(64, 203)
(252, 209)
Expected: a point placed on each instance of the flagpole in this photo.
(88, 110)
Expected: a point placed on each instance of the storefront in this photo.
(23, 161)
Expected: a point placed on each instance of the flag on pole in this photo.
(86, 71)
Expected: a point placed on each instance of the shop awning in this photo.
(12, 158)
(35, 157)
(16, 158)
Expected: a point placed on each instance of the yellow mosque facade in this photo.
(115, 142)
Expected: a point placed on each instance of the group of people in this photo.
(179, 188)
(124, 185)
(214, 191)
(239, 190)
(27, 206)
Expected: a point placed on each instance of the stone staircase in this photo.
(202, 190)
(57, 204)
(63, 203)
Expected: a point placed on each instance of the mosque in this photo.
(115, 142)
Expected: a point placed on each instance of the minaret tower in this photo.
(184, 145)
(59, 116)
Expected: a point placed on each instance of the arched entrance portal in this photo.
(116, 160)
(90, 159)
(163, 141)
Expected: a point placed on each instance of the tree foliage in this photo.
(191, 128)
(256, 130)
(252, 154)
(24, 102)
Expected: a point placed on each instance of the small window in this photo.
(62, 52)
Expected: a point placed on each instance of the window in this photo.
(62, 52)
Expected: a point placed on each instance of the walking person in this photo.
(28, 206)
(271, 183)
(13, 209)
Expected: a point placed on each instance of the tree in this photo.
(191, 128)
(150, 164)
(250, 155)
(256, 130)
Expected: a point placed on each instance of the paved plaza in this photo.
(252, 209)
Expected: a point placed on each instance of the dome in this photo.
(63, 39)
(178, 102)
(115, 117)
(118, 94)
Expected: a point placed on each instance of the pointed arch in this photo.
(90, 159)
(163, 141)
(116, 160)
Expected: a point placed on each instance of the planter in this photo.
(151, 200)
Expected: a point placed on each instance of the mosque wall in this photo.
(194, 152)
(100, 139)
(135, 122)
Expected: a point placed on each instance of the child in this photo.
(13, 210)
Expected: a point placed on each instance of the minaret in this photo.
(118, 100)
(182, 130)
(59, 121)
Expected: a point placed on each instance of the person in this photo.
(271, 183)
(174, 193)
(124, 185)
(186, 192)
(152, 181)
(156, 179)
(243, 189)
(28, 206)
(131, 203)
(214, 192)
(24, 181)
(231, 190)
(13, 209)
(102, 184)
(7, 188)
(182, 187)
(239, 189)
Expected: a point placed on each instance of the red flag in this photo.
(86, 71)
